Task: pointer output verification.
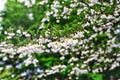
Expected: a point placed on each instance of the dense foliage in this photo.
(59, 39)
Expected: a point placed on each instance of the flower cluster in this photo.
(92, 46)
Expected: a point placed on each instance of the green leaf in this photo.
(48, 64)
(95, 76)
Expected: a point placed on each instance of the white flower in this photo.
(11, 34)
(13, 76)
(28, 4)
(21, 1)
(103, 16)
(24, 74)
(43, 2)
(92, 11)
(18, 31)
(93, 1)
(33, 1)
(110, 17)
(27, 35)
(73, 59)
(5, 58)
(1, 68)
(9, 66)
(6, 32)
(41, 26)
(118, 31)
(9, 37)
(48, 13)
(19, 66)
(79, 11)
(35, 61)
(114, 65)
(95, 71)
(57, 21)
(24, 33)
(62, 58)
(39, 70)
(73, 5)
(1, 28)
(65, 17)
(43, 20)
(30, 16)
(65, 10)
(116, 14)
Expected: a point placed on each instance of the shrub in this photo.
(55, 39)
